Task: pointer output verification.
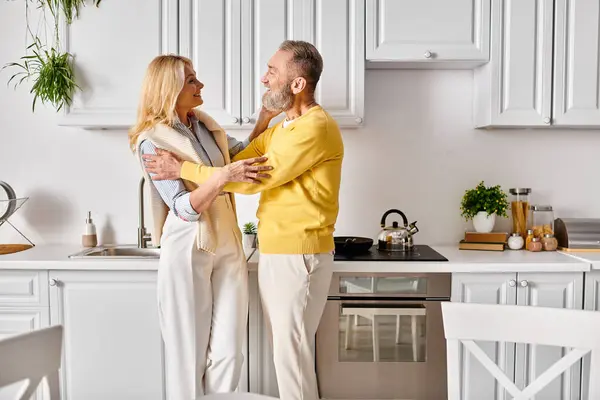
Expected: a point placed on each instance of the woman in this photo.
(202, 277)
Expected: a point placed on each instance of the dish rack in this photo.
(11, 206)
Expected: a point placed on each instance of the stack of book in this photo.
(492, 241)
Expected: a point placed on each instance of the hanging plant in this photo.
(52, 73)
(68, 7)
(50, 68)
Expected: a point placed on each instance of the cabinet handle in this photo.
(524, 283)
(428, 54)
(235, 120)
(512, 283)
(246, 120)
(53, 282)
(358, 120)
(547, 120)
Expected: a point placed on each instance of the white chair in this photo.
(32, 356)
(237, 396)
(577, 329)
(371, 314)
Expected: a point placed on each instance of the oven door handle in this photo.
(381, 310)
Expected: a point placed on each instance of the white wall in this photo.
(418, 152)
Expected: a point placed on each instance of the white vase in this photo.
(249, 241)
(484, 223)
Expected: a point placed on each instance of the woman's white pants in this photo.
(203, 306)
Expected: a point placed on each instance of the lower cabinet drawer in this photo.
(24, 288)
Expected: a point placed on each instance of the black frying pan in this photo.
(352, 244)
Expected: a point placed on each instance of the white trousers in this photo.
(293, 290)
(203, 306)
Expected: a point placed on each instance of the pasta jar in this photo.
(542, 220)
(519, 208)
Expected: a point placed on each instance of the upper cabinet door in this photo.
(577, 68)
(337, 30)
(112, 50)
(265, 25)
(210, 37)
(428, 30)
(515, 87)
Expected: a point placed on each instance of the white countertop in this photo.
(56, 257)
(590, 257)
(470, 261)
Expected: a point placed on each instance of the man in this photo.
(297, 211)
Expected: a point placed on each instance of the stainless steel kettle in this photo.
(396, 238)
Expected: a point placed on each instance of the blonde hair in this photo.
(160, 89)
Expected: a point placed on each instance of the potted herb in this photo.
(249, 235)
(482, 204)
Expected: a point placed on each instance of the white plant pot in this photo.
(249, 241)
(484, 223)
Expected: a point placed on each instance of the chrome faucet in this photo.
(143, 237)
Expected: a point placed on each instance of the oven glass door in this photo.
(381, 349)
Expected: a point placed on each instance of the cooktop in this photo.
(419, 252)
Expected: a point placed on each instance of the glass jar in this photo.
(528, 238)
(519, 208)
(515, 241)
(549, 242)
(535, 245)
(542, 220)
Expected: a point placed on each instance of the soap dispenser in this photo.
(89, 238)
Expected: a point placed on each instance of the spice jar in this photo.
(515, 241)
(549, 242)
(519, 207)
(542, 220)
(535, 244)
(528, 238)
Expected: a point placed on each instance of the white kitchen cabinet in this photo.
(262, 377)
(23, 308)
(210, 37)
(515, 87)
(112, 342)
(577, 63)
(18, 320)
(231, 41)
(592, 303)
(113, 44)
(544, 67)
(521, 362)
(265, 24)
(427, 33)
(557, 290)
(337, 29)
(477, 383)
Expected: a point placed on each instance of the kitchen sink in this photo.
(118, 252)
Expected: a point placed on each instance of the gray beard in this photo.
(278, 101)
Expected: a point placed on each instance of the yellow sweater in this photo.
(299, 204)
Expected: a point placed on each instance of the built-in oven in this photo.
(381, 337)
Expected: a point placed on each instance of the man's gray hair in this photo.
(306, 59)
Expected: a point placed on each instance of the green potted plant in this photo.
(249, 241)
(52, 72)
(482, 204)
(50, 68)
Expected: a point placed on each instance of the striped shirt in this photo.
(173, 192)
